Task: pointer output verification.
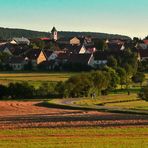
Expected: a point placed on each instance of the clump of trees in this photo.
(81, 85)
(144, 93)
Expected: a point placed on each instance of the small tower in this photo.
(54, 33)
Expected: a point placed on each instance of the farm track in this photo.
(21, 114)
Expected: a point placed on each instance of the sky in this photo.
(126, 17)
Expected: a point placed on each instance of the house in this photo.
(76, 49)
(100, 58)
(143, 55)
(5, 49)
(46, 65)
(83, 59)
(48, 54)
(90, 48)
(51, 55)
(36, 56)
(17, 63)
(75, 41)
(115, 47)
(19, 41)
(62, 58)
(145, 41)
(141, 46)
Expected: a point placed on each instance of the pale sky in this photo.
(127, 17)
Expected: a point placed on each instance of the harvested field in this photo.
(21, 114)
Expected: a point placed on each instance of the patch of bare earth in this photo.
(16, 114)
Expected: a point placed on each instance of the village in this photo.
(61, 54)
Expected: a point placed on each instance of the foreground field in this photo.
(27, 124)
(14, 114)
(119, 137)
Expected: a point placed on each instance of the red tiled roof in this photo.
(44, 39)
(145, 41)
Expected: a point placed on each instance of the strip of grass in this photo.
(135, 137)
(103, 103)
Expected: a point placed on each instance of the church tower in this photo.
(54, 33)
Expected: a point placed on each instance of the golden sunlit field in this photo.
(33, 78)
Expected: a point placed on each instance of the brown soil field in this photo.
(25, 114)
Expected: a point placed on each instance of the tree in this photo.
(144, 93)
(20, 90)
(129, 72)
(122, 74)
(41, 44)
(78, 86)
(3, 91)
(112, 62)
(100, 79)
(46, 90)
(100, 44)
(114, 78)
(139, 77)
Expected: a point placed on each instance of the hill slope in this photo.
(8, 33)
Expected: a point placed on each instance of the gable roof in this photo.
(47, 53)
(75, 49)
(33, 54)
(21, 40)
(114, 46)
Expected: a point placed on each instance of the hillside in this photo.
(8, 33)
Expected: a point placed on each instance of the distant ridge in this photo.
(8, 33)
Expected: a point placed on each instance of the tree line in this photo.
(87, 84)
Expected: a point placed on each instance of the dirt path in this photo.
(16, 114)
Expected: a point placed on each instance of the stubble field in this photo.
(25, 124)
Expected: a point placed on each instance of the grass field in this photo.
(33, 78)
(121, 101)
(125, 137)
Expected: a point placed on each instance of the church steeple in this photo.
(54, 33)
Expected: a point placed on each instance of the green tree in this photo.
(144, 93)
(122, 74)
(20, 90)
(139, 77)
(112, 62)
(3, 91)
(114, 78)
